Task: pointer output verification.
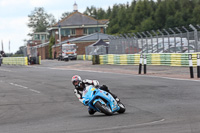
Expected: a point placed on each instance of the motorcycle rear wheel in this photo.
(103, 108)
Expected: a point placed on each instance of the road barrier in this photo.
(15, 60)
(84, 57)
(168, 59)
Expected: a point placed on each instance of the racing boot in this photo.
(91, 111)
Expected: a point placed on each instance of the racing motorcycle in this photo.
(101, 101)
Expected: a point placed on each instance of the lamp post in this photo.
(59, 34)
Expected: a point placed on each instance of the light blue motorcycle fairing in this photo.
(91, 95)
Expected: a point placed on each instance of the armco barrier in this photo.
(15, 60)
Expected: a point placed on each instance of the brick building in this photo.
(72, 28)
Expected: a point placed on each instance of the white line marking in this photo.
(25, 88)
(120, 127)
(6, 70)
(19, 85)
(34, 90)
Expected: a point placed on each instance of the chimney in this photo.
(75, 7)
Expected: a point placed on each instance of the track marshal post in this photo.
(190, 66)
(140, 65)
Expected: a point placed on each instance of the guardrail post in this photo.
(191, 66)
(198, 66)
(140, 65)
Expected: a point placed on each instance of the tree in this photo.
(65, 14)
(20, 51)
(39, 20)
(51, 43)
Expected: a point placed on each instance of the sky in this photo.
(14, 16)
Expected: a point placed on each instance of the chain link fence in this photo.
(176, 40)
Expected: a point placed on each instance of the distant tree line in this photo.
(145, 15)
(137, 16)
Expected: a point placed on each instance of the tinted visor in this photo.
(75, 83)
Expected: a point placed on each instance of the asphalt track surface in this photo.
(40, 99)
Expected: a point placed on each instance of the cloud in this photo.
(6, 3)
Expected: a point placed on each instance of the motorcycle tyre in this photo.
(103, 108)
(122, 108)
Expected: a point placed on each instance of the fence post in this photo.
(168, 40)
(181, 39)
(146, 42)
(191, 66)
(151, 41)
(163, 41)
(136, 42)
(188, 38)
(195, 37)
(198, 66)
(174, 38)
(141, 40)
(140, 65)
(157, 38)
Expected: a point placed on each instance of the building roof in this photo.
(100, 42)
(79, 19)
(88, 38)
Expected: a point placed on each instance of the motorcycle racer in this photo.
(80, 84)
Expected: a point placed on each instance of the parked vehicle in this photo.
(70, 50)
(101, 101)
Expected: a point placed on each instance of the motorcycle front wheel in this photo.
(122, 108)
(103, 108)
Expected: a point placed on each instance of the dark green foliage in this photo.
(39, 20)
(146, 15)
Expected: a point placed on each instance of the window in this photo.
(85, 31)
(65, 32)
(93, 30)
(73, 31)
(43, 37)
(37, 37)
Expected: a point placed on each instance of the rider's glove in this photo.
(95, 83)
